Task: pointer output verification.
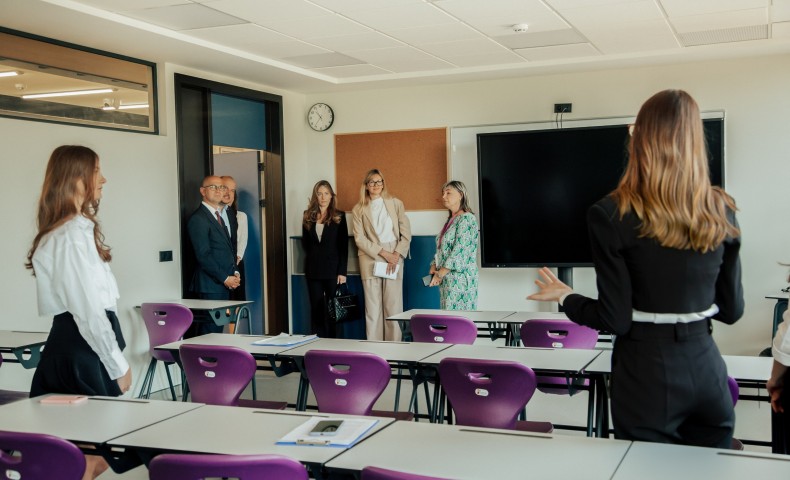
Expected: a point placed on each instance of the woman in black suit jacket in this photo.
(665, 246)
(325, 242)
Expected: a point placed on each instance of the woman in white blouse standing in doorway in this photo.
(75, 285)
(383, 235)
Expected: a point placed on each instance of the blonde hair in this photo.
(666, 182)
(364, 196)
(313, 211)
(67, 165)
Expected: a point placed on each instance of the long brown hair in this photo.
(666, 182)
(67, 165)
(364, 197)
(313, 212)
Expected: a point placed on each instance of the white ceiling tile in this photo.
(563, 4)
(538, 54)
(357, 41)
(450, 49)
(238, 35)
(323, 60)
(348, 71)
(637, 36)
(605, 16)
(680, 8)
(780, 11)
(401, 59)
(450, 32)
(405, 16)
(780, 30)
(347, 6)
(499, 16)
(124, 5)
(313, 27)
(541, 39)
(184, 17)
(282, 50)
(505, 57)
(267, 11)
(719, 20)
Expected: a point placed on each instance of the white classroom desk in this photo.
(232, 430)
(477, 316)
(452, 451)
(406, 354)
(25, 346)
(659, 461)
(221, 312)
(93, 422)
(563, 360)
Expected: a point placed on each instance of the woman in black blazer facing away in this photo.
(325, 242)
(665, 246)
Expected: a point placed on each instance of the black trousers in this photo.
(319, 290)
(669, 385)
(780, 422)
(204, 325)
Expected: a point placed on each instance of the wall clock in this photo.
(320, 117)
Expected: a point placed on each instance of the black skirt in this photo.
(69, 365)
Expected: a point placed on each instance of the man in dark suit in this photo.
(215, 252)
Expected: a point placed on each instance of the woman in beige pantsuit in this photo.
(382, 234)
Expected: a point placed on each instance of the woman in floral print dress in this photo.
(454, 266)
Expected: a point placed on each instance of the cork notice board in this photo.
(413, 163)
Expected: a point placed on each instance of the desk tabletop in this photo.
(451, 451)
(391, 351)
(13, 339)
(478, 316)
(741, 368)
(648, 461)
(245, 342)
(234, 430)
(94, 421)
(521, 317)
(779, 296)
(546, 359)
(195, 304)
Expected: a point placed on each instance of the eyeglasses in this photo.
(376, 183)
(214, 188)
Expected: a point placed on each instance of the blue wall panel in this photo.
(237, 122)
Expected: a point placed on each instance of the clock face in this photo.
(320, 117)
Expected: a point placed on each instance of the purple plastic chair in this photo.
(558, 334)
(8, 396)
(349, 382)
(376, 473)
(427, 328)
(217, 375)
(165, 323)
(244, 467)
(489, 393)
(39, 456)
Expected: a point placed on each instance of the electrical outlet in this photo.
(563, 107)
(165, 255)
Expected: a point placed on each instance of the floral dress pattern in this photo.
(456, 250)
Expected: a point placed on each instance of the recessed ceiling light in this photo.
(12, 73)
(67, 94)
(520, 27)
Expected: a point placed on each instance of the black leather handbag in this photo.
(344, 306)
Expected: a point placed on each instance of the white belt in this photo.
(661, 318)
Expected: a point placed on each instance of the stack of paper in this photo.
(349, 433)
(285, 340)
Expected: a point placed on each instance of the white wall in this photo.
(139, 213)
(757, 110)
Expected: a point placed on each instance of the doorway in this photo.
(196, 121)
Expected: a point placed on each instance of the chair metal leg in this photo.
(170, 381)
(397, 391)
(145, 388)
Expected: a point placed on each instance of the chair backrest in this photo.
(244, 467)
(346, 382)
(734, 389)
(443, 329)
(557, 333)
(376, 473)
(217, 375)
(165, 323)
(486, 393)
(39, 456)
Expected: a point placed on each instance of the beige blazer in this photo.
(365, 234)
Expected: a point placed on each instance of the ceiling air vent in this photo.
(724, 35)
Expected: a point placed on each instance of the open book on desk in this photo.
(285, 340)
(350, 431)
